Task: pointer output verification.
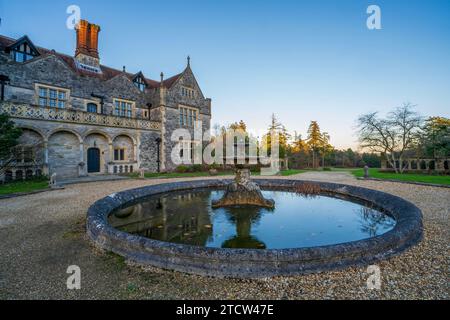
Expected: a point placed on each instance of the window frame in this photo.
(93, 103)
(187, 116)
(140, 84)
(27, 51)
(49, 98)
(121, 153)
(188, 92)
(128, 113)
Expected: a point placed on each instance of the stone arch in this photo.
(37, 130)
(423, 165)
(432, 165)
(80, 139)
(446, 164)
(96, 139)
(414, 165)
(127, 135)
(64, 154)
(29, 174)
(125, 141)
(19, 175)
(99, 132)
(33, 140)
(8, 176)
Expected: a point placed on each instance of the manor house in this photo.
(81, 118)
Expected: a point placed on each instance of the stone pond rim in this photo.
(254, 263)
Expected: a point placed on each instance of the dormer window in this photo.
(23, 50)
(140, 83)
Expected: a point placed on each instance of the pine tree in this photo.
(283, 135)
(315, 139)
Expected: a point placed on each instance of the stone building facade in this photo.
(80, 117)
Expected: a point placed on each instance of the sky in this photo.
(302, 60)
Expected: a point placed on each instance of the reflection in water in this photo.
(243, 218)
(297, 221)
(372, 222)
(173, 218)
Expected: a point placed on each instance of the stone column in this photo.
(45, 169)
(111, 158)
(439, 165)
(136, 153)
(82, 170)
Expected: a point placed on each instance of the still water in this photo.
(297, 221)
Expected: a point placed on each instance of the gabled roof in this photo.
(138, 75)
(107, 72)
(19, 42)
(168, 83)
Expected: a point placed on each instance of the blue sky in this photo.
(302, 60)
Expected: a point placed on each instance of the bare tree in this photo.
(391, 136)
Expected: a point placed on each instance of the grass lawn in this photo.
(291, 172)
(23, 186)
(412, 177)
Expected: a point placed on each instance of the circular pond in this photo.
(298, 220)
(173, 226)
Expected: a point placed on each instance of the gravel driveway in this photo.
(42, 234)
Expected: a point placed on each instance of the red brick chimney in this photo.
(87, 39)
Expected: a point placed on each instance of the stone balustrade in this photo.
(412, 164)
(25, 111)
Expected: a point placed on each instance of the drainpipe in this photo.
(4, 80)
(102, 100)
(158, 161)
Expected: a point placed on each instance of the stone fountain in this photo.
(243, 191)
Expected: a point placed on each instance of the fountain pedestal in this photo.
(243, 191)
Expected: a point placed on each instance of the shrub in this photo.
(213, 166)
(326, 169)
(197, 168)
(182, 169)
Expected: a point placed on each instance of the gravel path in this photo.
(43, 234)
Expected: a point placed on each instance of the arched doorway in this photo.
(93, 160)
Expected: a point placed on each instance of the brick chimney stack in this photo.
(81, 37)
(93, 39)
(86, 52)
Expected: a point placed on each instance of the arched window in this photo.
(92, 107)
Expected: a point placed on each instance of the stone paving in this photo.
(92, 178)
(43, 234)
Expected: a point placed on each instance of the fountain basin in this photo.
(249, 263)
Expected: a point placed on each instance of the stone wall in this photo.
(52, 70)
(66, 145)
(173, 99)
(56, 70)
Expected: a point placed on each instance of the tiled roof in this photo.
(107, 72)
